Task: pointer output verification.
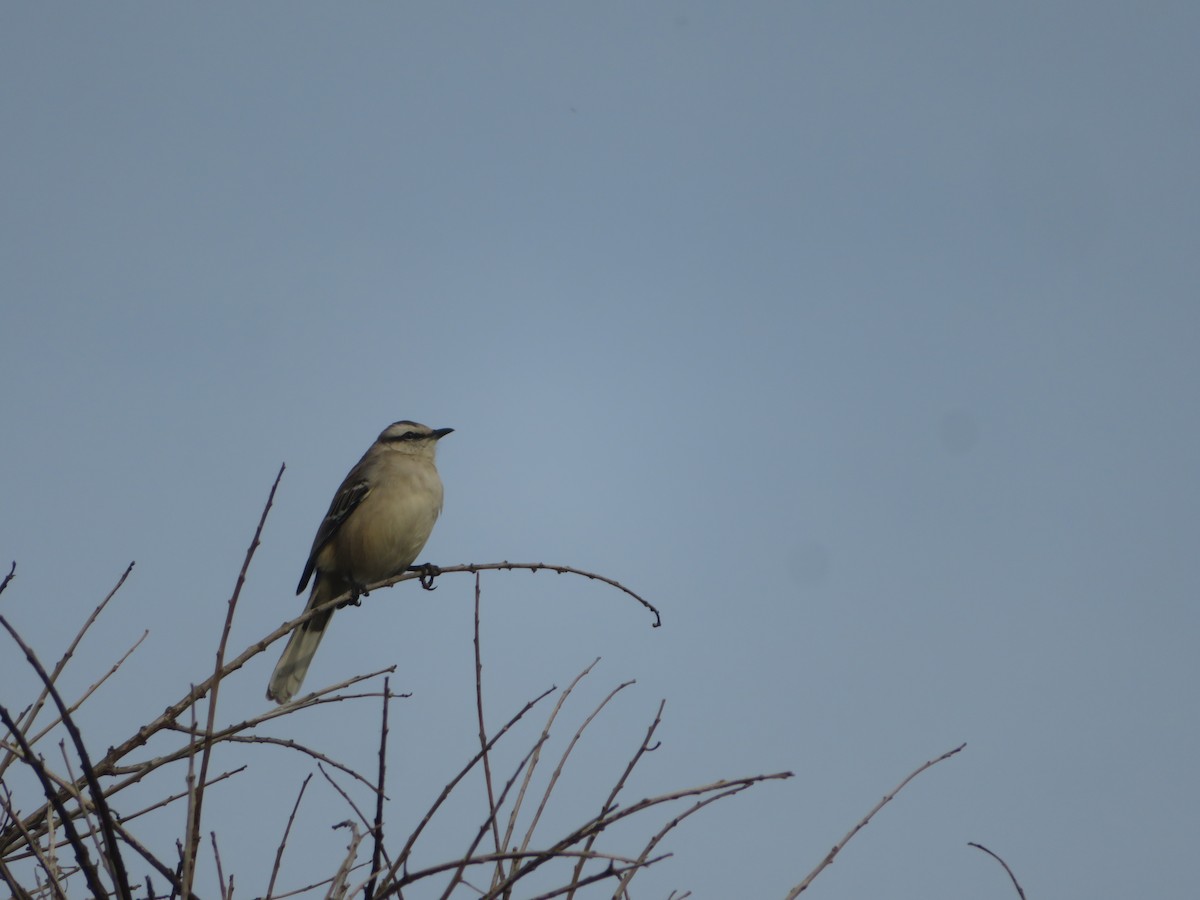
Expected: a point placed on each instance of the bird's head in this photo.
(412, 438)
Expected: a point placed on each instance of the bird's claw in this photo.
(428, 572)
(357, 592)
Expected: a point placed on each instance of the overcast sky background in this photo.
(861, 338)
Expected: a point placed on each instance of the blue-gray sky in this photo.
(859, 337)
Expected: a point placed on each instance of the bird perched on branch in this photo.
(379, 520)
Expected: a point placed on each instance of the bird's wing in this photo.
(353, 491)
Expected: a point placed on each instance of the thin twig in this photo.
(12, 570)
(996, 857)
(283, 842)
(654, 841)
(611, 872)
(377, 830)
(35, 849)
(137, 772)
(31, 713)
(166, 801)
(18, 891)
(643, 748)
(187, 853)
(402, 859)
(108, 764)
(358, 812)
(490, 822)
(206, 753)
(89, 773)
(487, 764)
(68, 792)
(39, 769)
(337, 887)
(296, 892)
(520, 800)
(345, 796)
(599, 823)
(172, 875)
(220, 868)
(434, 571)
(887, 798)
(485, 859)
(74, 707)
(93, 832)
(295, 745)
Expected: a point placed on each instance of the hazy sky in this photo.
(861, 338)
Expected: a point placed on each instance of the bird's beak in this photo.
(440, 433)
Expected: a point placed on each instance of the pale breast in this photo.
(387, 532)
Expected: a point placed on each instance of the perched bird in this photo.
(378, 522)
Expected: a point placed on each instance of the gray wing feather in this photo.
(353, 491)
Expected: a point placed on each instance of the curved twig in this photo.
(887, 798)
(996, 857)
(434, 571)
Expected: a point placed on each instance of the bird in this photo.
(379, 520)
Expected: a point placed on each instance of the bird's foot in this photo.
(357, 592)
(428, 572)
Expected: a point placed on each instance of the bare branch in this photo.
(81, 854)
(206, 752)
(338, 886)
(166, 801)
(15, 886)
(512, 819)
(602, 822)
(108, 764)
(377, 828)
(490, 822)
(402, 859)
(654, 841)
(172, 875)
(996, 857)
(184, 734)
(611, 872)
(283, 842)
(295, 745)
(434, 571)
(31, 713)
(187, 851)
(487, 765)
(91, 690)
(485, 859)
(887, 798)
(93, 831)
(349, 800)
(89, 773)
(642, 749)
(220, 868)
(35, 849)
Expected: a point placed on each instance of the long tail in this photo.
(301, 646)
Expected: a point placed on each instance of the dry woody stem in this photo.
(60, 834)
